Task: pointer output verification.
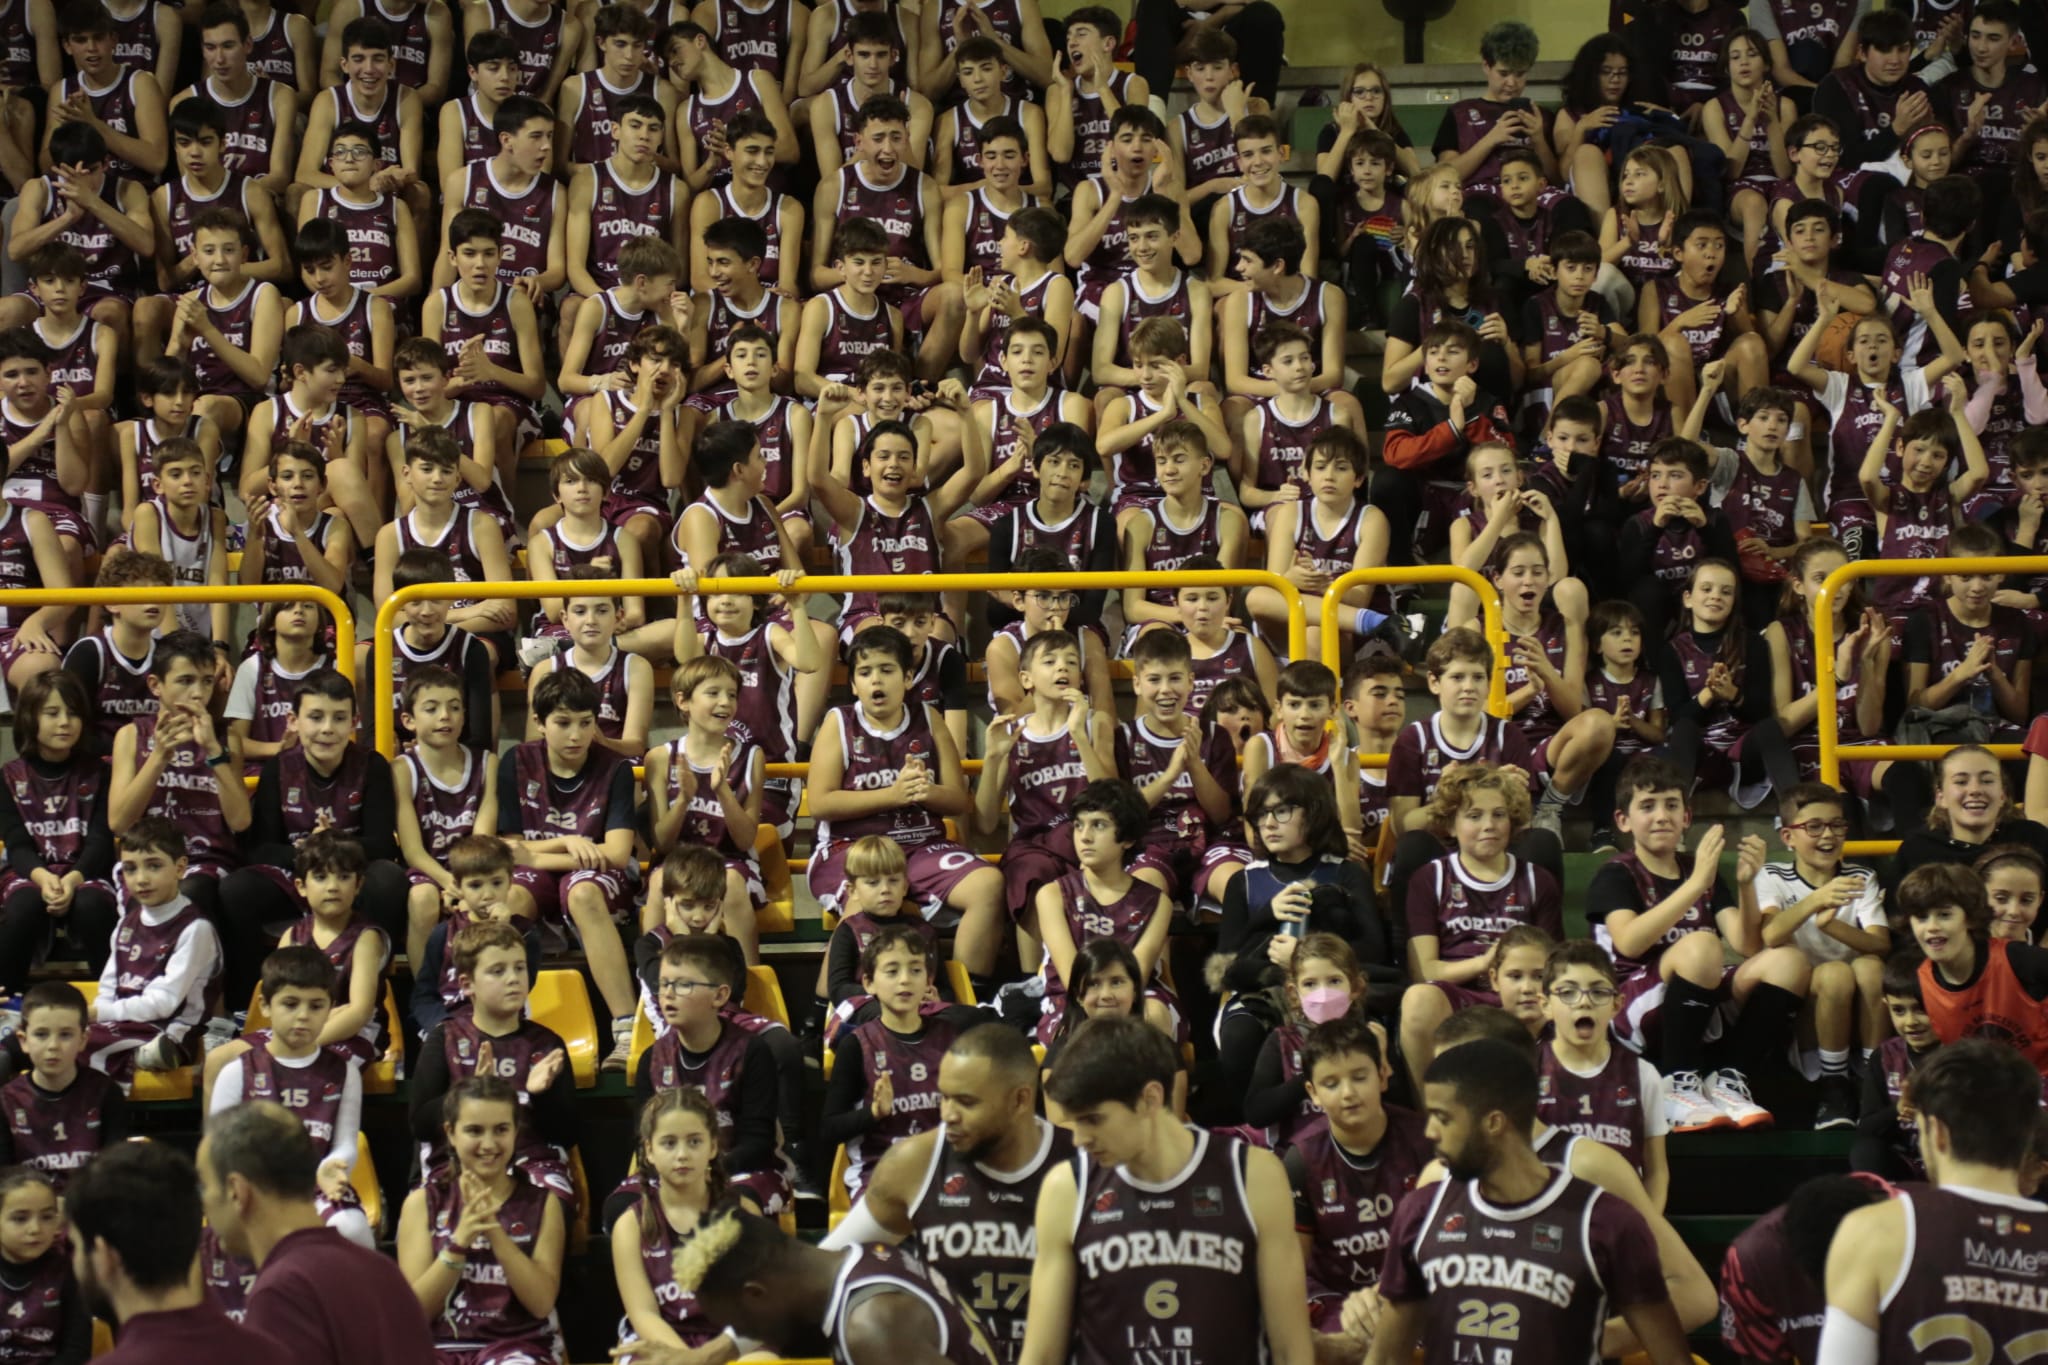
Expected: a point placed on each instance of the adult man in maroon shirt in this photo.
(134, 1223)
(322, 1298)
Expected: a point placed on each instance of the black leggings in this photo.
(1764, 751)
(25, 923)
(252, 905)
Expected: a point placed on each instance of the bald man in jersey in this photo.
(324, 1299)
(1690, 1289)
(968, 1189)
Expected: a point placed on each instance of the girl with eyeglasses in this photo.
(1300, 881)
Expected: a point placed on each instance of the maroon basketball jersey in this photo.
(1143, 754)
(305, 795)
(537, 40)
(528, 217)
(1606, 1106)
(446, 813)
(767, 711)
(621, 213)
(1305, 312)
(1046, 776)
(1334, 551)
(778, 445)
(383, 120)
(1193, 1231)
(1245, 215)
(1764, 505)
(1172, 545)
(109, 264)
(411, 44)
(1971, 1277)
(341, 953)
(188, 795)
(512, 1057)
(897, 208)
(229, 1278)
(905, 543)
(34, 1321)
(312, 1092)
(1696, 658)
(986, 225)
(1283, 443)
(372, 235)
(252, 127)
(1234, 660)
(479, 140)
(1346, 1201)
(492, 322)
(17, 46)
(275, 701)
(703, 115)
(851, 337)
(1552, 1267)
(1074, 537)
(1124, 919)
(1625, 446)
(483, 1311)
(282, 562)
(1421, 753)
(1091, 131)
(1916, 526)
(551, 806)
(975, 1225)
(57, 1133)
(757, 535)
(753, 39)
(114, 105)
(1650, 891)
(1208, 150)
(1467, 916)
(657, 1258)
(872, 759)
(716, 1072)
(967, 136)
(271, 54)
(892, 1270)
(705, 821)
(912, 1066)
(122, 693)
(234, 319)
(769, 217)
(57, 811)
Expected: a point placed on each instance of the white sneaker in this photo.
(622, 1047)
(158, 1054)
(535, 649)
(1548, 815)
(1686, 1106)
(1728, 1092)
(219, 1031)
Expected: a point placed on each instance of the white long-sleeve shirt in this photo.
(177, 998)
(348, 1120)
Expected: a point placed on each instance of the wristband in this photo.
(453, 1262)
(215, 760)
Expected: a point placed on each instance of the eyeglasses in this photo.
(348, 153)
(1049, 599)
(1814, 829)
(675, 987)
(1824, 148)
(1591, 995)
(1280, 814)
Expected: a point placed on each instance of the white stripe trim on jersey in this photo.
(1586, 1245)
(1458, 870)
(1529, 1210)
(931, 1173)
(1178, 1178)
(1906, 1252)
(892, 1284)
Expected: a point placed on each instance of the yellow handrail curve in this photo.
(234, 594)
(1495, 629)
(387, 611)
(1827, 721)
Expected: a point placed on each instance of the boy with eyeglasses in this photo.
(1588, 1085)
(1833, 912)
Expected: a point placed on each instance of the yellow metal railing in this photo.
(1489, 613)
(386, 626)
(231, 593)
(1827, 720)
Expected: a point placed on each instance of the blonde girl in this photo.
(1635, 235)
(1460, 904)
(704, 787)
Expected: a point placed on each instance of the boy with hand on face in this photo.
(383, 243)
(84, 203)
(230, 327)
(152, 995)
(1431, 428)
(1876, 101)
(490, 328)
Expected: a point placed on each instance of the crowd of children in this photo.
(761, 288)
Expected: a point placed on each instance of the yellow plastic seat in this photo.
(764, 995)
(379, 1077)
(560, 1001)
(643, 1039)
(151, 1087)
(838, 1202)
(778, 914)
(102, 1338)
(962, 985)
(369, 1190)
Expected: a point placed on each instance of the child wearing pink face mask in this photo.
(1459, 905)
(1324, 983)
